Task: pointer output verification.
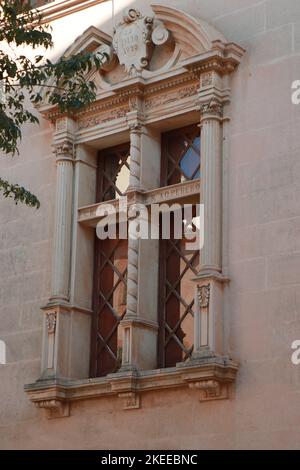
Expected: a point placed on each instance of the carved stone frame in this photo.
(138, 109)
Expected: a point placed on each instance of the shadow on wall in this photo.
(2, 353)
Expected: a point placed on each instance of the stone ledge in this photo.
(187, 192)
(212, 378)
(59, 8)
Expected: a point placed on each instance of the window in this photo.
(180, 155)
(110, 286)
(113, 173)
(180, 162)
(140, 101)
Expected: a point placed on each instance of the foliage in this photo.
(63, 83)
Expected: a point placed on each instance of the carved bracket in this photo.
(55, 408)
(210, 390)
(131, 400)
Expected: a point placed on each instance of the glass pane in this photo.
(122, 180)
(181, 155)
(113, 173)
(189, 163)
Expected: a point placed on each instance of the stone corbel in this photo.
(131, 400)
(55, 408)
(210, 390)
(125, 385)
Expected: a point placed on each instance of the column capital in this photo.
(212, 109)
(64, 150)
(136, 127)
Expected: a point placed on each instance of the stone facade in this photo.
(249, 281)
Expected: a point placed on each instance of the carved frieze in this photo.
(103, 117)
(163, 99)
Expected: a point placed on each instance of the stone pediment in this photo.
(153, 48)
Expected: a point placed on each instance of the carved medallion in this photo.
(204, 296)
(51, 322)
(132, 41)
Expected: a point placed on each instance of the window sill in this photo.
(212, 378)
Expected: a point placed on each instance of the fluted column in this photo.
(211, 185)
(63, 222)
(208, 318)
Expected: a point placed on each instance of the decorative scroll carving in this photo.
(107, 56)
(51, 318)
(204, 296)
(160, 35)
(132, 41)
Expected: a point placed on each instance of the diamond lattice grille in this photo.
(113, 173)
(181, 156)
(110, 303)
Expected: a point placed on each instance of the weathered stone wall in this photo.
(263, 225)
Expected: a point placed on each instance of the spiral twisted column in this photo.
(139, 328)
(132, 277)
(135, 156)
